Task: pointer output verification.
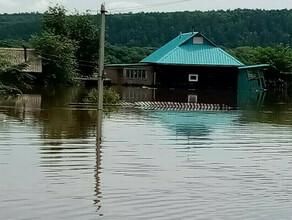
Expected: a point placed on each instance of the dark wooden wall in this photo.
(209, 77)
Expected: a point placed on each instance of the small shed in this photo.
(190, 60)
(251, 77)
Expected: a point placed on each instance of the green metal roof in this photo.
(125, 65)
(182, 50)
(254, 66)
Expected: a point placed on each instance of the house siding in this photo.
(208, 77)
(117, 75)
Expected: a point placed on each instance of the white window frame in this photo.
(133, 76)
(193, 80)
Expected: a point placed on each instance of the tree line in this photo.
(69, 44)
(230, 29)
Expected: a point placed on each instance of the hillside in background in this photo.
(226, 28)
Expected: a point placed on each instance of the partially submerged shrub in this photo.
(109, 96)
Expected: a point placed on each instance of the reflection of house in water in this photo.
(250, 99)
(133, 94)
(193, 124)
(29, 102)
(226, 97)
(24, 105)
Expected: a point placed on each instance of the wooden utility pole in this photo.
(101, 58)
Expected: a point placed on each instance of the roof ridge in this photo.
(192, 35)
(175, 48)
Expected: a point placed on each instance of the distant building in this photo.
(18, 56)
(189, 60)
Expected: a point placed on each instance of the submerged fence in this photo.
(171, 106)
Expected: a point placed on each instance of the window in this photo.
(198, 40)
(139, 74)
(127, 74)
(193, 77)
(135, 74)
(143, 74)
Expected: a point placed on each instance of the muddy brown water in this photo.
(150, 164)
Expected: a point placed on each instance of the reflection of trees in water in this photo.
(67, 124)
(51, 111)
(60, 96)
(274, 109)
(67, 152)
(59, 157)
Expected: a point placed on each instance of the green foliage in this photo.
(123, 54)
(79, 28)
(20, 26)
(8, 99)
(231, 28)
(55, 21)
(69, 44)
(109, 96)
(84, 31)
(58, 53)
(12, 75)
(279, 58)
(14, 43)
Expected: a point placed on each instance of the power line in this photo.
(61, 61)
(85, 61)
(124, 9)
(147, 6)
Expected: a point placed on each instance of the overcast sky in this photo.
(113, 6)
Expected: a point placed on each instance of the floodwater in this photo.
(150, 164)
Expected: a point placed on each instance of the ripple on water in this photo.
(151, 165)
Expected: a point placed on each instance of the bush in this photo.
(109, 96)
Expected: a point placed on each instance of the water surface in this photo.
(150, 164)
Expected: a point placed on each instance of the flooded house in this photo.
(190, 60)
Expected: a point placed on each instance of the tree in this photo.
(80, 28)
(58, 53)
(122, 54)
(231, 28)
(84, 31)
(55, 21)
(279, 57)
